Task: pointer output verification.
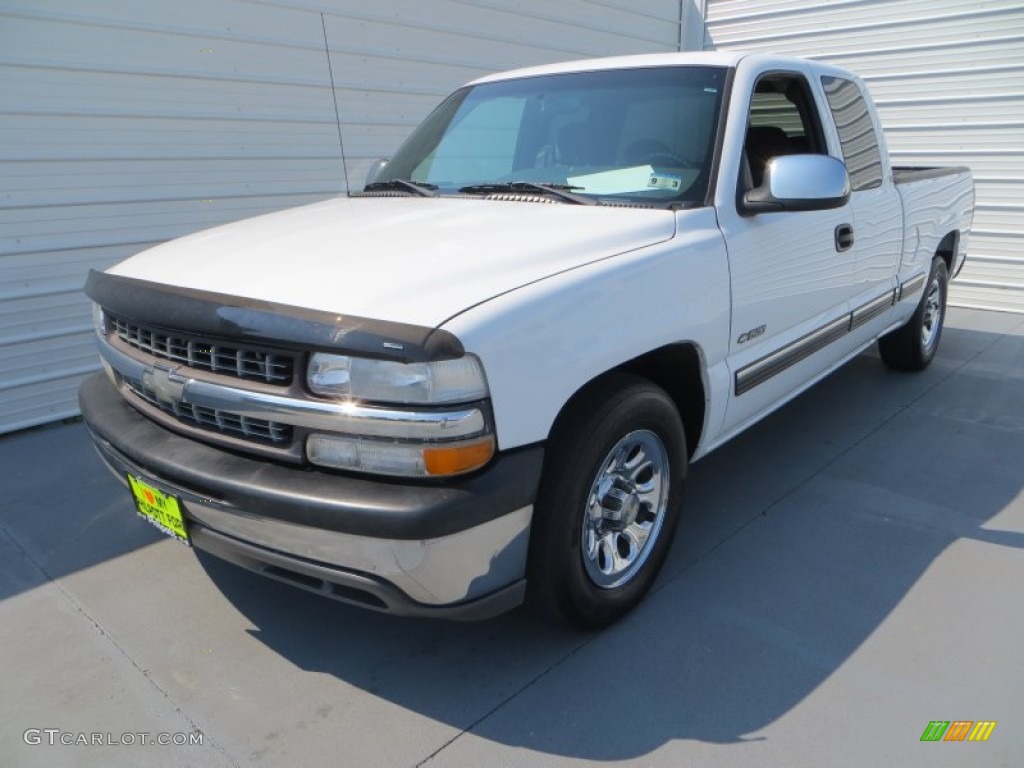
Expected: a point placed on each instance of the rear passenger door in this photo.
(791, 278)
(876, 210)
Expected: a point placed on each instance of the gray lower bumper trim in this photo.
(347, 586)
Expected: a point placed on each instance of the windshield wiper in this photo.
(561, 191)
(416, 187)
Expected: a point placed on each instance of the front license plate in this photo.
(158, 508)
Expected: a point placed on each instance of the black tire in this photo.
(911, 347)
(563, 574)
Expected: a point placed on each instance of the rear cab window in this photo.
(857, 135)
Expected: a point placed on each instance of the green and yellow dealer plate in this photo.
(159, 508)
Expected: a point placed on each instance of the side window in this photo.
(783, 121)
(856, 132)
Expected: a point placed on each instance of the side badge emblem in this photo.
(753, 333)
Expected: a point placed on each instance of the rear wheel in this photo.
(912, 346)
(608, 503)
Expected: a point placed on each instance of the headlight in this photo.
(409, 441)
(359, 378)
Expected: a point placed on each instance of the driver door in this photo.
(790, 275)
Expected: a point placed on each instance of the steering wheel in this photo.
(655, 153)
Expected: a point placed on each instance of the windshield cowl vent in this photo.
(615, 204)
(520, 198)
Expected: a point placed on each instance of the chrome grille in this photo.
(232, 424)
(206, 355)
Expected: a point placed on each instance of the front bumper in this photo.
(456, 550)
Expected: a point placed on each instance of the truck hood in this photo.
(408, 260)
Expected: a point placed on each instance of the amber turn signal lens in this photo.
(457, 459)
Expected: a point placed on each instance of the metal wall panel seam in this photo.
(905, 48)
(942, 73)
(769, 10)
(241, 78)
(575, 21)
(421, 27)
(55, 333)
(147, 200)
(470, 65)
(789, 42)
(516, 12)
(896, 20)
(40, 378)
(47, 418)
(208, 34)
(623, 5)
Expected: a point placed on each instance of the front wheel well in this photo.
(677, 369)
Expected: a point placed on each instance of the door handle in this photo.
(844, 237)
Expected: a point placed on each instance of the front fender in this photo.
(541, 343)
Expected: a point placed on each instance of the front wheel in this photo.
(609, 502)
(912, 346)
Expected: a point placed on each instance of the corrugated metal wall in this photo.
(123, 124)
(948, 79)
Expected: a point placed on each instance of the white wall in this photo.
(124, 123)
(948, 78)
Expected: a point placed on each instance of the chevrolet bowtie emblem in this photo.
(168, 386)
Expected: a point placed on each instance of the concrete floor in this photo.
(846, 572)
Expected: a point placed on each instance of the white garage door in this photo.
(123, 124)
(948, 78)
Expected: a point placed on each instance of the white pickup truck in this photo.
(481, 379)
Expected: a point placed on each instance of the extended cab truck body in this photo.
(482, 378)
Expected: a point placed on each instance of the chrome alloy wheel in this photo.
(625, 509)
(931, 321)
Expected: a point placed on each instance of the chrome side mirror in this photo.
(375, 168)
(799, 183)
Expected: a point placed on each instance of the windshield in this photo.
(637, 135)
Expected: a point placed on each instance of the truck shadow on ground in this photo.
(798, 541)
(61, 511)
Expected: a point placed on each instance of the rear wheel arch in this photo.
(947, 249)
(912, 346)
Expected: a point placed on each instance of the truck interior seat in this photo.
(763, 143)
